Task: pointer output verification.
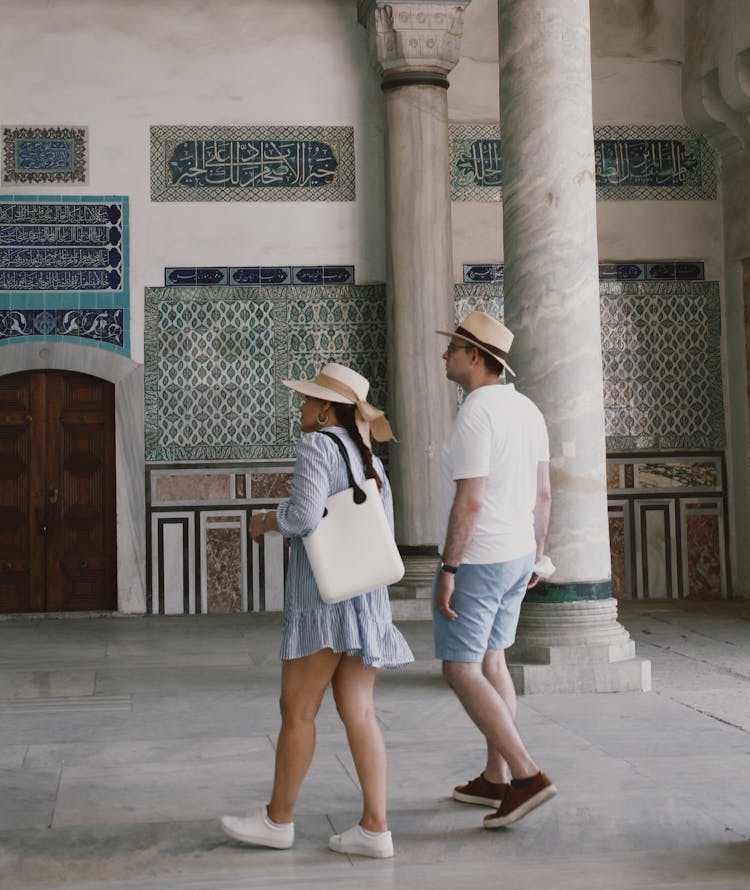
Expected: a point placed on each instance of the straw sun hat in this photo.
(487, 334)
(341, 385)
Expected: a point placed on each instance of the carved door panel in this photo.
(57, 493)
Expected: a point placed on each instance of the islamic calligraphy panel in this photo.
(664, 270)
(631, 163)
(64, 269)
(252, 163)
(244, 276)
(215, 359)
(48, 246)
(44, 155)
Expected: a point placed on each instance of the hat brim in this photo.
(310, 388)
(481, 347)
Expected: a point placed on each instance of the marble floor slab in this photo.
(122, 740)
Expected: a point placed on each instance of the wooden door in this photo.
(57, 493)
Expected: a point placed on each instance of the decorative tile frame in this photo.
(632, 163)
(215, 359)
(661, 361)
(64, 269)
(216, 163)
(34, 155)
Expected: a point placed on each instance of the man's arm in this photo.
(467, 504)
(542, 509)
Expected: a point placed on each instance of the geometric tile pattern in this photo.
(631, 163)
(661, 361)
(44, 155)
(223, 163)
(64, 269)
(215, 359)
(662, 365)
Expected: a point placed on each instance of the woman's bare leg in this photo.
(303, 685)
(353, 686)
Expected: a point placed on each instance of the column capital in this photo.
(413, 42)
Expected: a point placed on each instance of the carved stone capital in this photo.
(413, 42)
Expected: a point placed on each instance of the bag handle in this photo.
(358, 493)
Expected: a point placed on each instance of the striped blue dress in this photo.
(360, 626)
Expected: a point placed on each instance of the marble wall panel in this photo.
(270, 485)
(704, 569)
(193, 487)
(225, 589)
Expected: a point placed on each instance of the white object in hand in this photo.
(543, 568)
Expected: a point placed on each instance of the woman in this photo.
(340, 644)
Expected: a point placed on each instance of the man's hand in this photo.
(533, 581)
(444, 593)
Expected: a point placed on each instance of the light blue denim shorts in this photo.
(487, 599)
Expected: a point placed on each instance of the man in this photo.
(495, 522)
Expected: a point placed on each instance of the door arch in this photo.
(57, 493)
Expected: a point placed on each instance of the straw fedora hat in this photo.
(339, 384)
(487, 334)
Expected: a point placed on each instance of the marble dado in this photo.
(200, 557)
(188, 486)
(668, 526)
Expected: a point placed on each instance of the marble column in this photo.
(569, 638)
(413, 46)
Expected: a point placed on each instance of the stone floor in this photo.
(122, 740)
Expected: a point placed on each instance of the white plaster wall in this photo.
(118, 68)
(637, 52)
(716, 96)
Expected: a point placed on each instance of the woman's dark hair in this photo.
(345, 415)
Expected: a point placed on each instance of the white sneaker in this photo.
(257, 828)
(377, 844)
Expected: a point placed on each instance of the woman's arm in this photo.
(310, 488)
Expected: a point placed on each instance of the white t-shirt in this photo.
(500, 434)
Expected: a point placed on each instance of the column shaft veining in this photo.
(552, 306)
(414, 46)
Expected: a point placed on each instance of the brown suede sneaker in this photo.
(481, 792)
(519, 801)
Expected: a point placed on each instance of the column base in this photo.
(575, 647)
(411, 598)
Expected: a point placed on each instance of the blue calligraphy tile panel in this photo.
(665, 270)
(32, 155)
(253, 276)
(631, 163)
(483, 273)
(207, 163)
(215, 359)
(64, 269)
(661, 360)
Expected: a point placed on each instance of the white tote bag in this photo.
(352, 550)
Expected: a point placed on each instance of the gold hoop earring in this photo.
(322, 421)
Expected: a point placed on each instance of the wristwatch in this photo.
(451, 570)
